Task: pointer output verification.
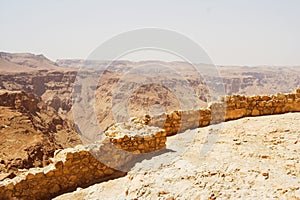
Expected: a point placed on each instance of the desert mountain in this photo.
(18, 62)
(148, 93)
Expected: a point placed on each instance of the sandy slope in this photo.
(252, 158)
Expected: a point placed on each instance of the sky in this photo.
(232, 32)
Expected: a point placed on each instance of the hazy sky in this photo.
(238, 32)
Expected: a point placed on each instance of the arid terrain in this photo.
(54, 83)
(30, 132)
(254, 158)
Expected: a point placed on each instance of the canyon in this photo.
(142, 109)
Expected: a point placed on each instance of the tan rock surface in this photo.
(253, 158)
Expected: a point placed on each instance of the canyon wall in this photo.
(30, 132)
(125, 142)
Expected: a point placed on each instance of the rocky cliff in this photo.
(30, 132)
(55, 84)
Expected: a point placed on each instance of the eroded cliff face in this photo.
(117, 99)
(260, 80)
(56, 87)
(30, 132)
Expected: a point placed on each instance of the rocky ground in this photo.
(250, 158)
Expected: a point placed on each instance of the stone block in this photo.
(255, 112)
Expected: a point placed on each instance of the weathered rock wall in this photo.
(86, 165)
(71, 168)
(134, 136)
(55, 87)
(19, 100)
(228, 108)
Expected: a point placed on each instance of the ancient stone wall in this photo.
(86, 165)
(228, 108)
(71, 168)
(134, 136)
